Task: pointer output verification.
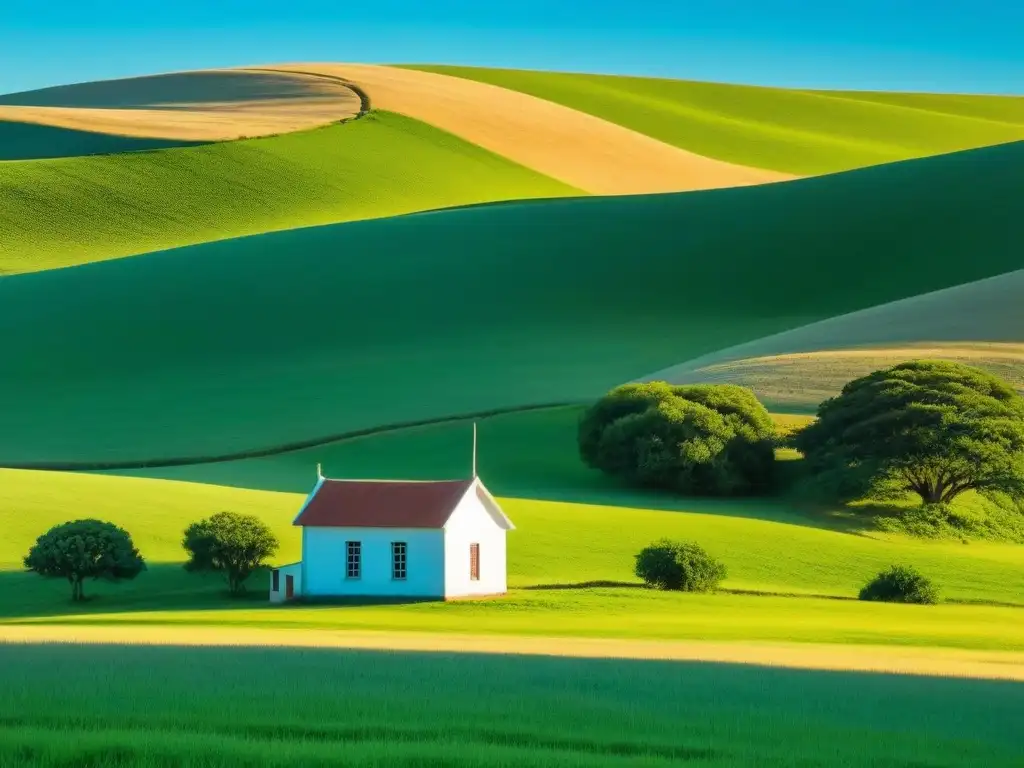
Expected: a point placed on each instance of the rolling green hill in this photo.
(572, 527)
(261, 341)
(795, 131)
(70, 211)
(27, 141)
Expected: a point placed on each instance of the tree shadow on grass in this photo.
(600, 584)
(163, 587)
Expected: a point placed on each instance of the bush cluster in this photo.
(679, 565)
(700, 439)
(901, 584)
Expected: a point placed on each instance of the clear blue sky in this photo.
(929, 45)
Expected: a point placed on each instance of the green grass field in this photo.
(795, 131)
(257, 342)
(164, 707)
(70, 211)
(574, 529)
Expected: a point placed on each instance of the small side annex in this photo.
(439, 539)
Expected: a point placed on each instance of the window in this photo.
(398, 550)
(355, 552)
(275, 580)
(474, 562)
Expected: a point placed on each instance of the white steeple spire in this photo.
(474, 450)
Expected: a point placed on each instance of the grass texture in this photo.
(70, 211)
(795, 131)
(257, 342)
(163, 707)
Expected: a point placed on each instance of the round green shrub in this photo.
(679, 565)
(901, 584)
(701, 439)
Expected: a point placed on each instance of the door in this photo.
(289, 587)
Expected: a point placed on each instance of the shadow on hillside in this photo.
(781, 508)
(584, 585)
(164, 587)
(588, 585)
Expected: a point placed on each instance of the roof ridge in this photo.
(394, 480)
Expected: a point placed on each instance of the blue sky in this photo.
(928, 45)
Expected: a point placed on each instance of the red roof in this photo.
(383, 503)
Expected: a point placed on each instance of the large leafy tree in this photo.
(928, 427)
(85, 549)
(229, 543)
(702, 439)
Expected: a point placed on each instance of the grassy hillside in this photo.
(64, 212)
(27, 141)
(800, 381)
(584, 530)
(261, 341)
(979, 323)
(795, 131)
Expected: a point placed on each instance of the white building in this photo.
(382, 538)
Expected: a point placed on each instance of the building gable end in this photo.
(309, 498)
(489, 504)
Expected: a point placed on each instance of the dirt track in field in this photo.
(996, 665)
(215, 109)
(579, 149)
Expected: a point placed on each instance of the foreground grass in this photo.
(275, 707)
(69, 211)
(796, 131)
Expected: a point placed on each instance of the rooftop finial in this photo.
(474, 450)
(319, 474)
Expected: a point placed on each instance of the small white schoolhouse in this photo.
(397, 538)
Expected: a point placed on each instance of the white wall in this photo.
(294, 570)
(324, 562)
(471, 523)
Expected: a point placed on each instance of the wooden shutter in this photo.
(474, 562)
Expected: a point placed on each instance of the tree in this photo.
(229, 543)
(929, 427)
(708, 439)
(85, 549)
(679, 565)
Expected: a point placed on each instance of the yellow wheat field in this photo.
(210, 106)
(1002, 665)
(576, 148)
